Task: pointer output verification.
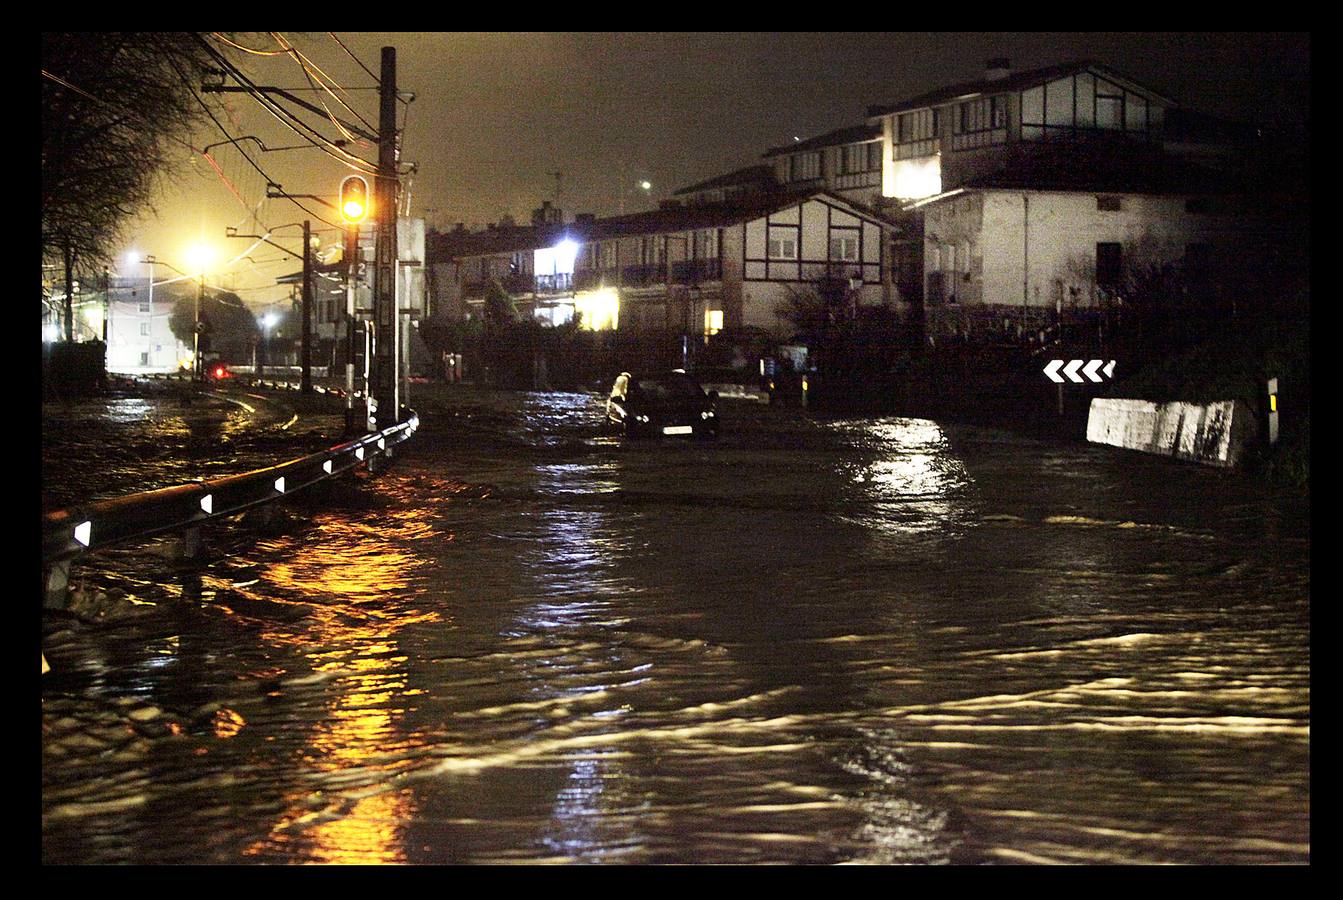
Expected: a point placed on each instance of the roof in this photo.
(850, 135)
(1098, 174)
(747, 175)
(1014, 82)
(452, 245)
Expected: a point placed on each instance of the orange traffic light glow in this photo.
(354, 199)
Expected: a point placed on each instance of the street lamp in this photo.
(267, 322)
(199, 258)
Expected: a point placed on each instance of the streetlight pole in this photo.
(306, 376)
(196, 333)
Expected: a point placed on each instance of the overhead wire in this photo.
(217, 36)
(290, 120)
(311, 70)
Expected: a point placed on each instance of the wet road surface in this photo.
(877, 640)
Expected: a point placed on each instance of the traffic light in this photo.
(354, 199)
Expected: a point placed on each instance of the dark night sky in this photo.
(496, 114)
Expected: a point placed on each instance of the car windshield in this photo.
(669, 388)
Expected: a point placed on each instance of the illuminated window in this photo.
(713, 321)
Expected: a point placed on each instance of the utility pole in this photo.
(196, 333)
(386, 408)
(69, 294)
(107, 307)
(351, 274)
(305, 380)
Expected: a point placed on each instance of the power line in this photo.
(310, 70)
(220, 37)
(234, 141)
(375, 78)
(288, 119)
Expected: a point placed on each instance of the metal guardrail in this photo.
(86, 528)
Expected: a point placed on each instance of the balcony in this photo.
(644, 276)
(696, 271)
(517, 283)
(589, 279)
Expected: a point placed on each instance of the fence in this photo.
(70, 533)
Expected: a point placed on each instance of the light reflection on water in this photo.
(877, 641)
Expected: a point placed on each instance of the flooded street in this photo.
(874, 641)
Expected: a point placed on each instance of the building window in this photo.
(804, 166)
(145, 306)
(916, 133)
(144, 329)
(1109, 264)
(857, 158)
(144, 359)
(706, 244)
(782, 243)
(845, 248)
(1109, 109)
(713, 321)
(980, 123)
(1109, 204)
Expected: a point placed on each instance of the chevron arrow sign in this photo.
(1097, 370)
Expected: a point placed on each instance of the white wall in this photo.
(1060, 241)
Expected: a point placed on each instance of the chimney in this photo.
(997, 68)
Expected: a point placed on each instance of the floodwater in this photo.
(868, 641)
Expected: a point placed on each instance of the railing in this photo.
(644, 276)
(72, 532)
(588, 279)
(694, 271)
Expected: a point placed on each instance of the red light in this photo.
(219, 372)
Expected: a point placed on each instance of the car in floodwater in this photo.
(668, 404)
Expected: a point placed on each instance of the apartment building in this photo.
(694, 269)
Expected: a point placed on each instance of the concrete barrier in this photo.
(1210, 433)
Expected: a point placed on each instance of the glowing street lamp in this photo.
(267, 322)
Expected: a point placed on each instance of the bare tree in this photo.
(113, 106)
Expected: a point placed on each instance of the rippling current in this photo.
(876, 640)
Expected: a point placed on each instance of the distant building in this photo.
(139, 339)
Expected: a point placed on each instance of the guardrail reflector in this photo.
(382, 443)
(327, 467)
(359, 452)
(207, 504)
(279, 484)
(83, 532)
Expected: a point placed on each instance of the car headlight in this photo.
(641, 418)
(706, 414)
